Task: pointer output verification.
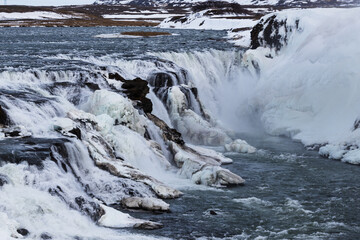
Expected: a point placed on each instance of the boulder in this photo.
(23, 231)
(151, 204)
(240, 146)
(203, 169)
(148, 225)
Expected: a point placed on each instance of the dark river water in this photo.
(290, 193)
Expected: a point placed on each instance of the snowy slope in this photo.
(34, 15)
(308, 79)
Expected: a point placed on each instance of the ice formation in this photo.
(307, 87)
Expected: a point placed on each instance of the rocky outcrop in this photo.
(92, 209)
(4, 119)
(202, 169)
(200, 165)
(272, 32)
(150, 204)
(136, 90)
(169, 134)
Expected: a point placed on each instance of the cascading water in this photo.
(92, 126)
(85, 135)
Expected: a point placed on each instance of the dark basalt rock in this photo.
(181, 19)
(92, 209)
(4, 119)
(76, 132)
(116, 76)
(136, 90)
(161, 80)
(45, 236)
(255, 43)
(169, 134)
(12, 132)
(148, 225)
(267, 33)
(3, 180)
(92, 86)
(212, 212)
(23, 231)
(356, 124)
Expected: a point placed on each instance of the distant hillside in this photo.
(284, 3)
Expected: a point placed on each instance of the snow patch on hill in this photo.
(38, 15)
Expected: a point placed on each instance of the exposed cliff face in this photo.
(272, 32)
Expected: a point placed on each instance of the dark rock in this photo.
(116, 76)
(181, 19)
(136, 90)
(12, 133)
(162, 79)
(3, 180)
(148, 225)
(255, 43)
(23, 231)
(4, 119)
(220, 8)
(271, 32)
(92, 209)
(169, 134)
(356, 124)
(45, 236)
(92, 86)
(212, 212)
(76, 132)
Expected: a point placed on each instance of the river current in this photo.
(290, 192)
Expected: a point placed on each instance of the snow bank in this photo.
(139, 16)
(199, 20)
(38, 15)
(116, 219)
(308, 78)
